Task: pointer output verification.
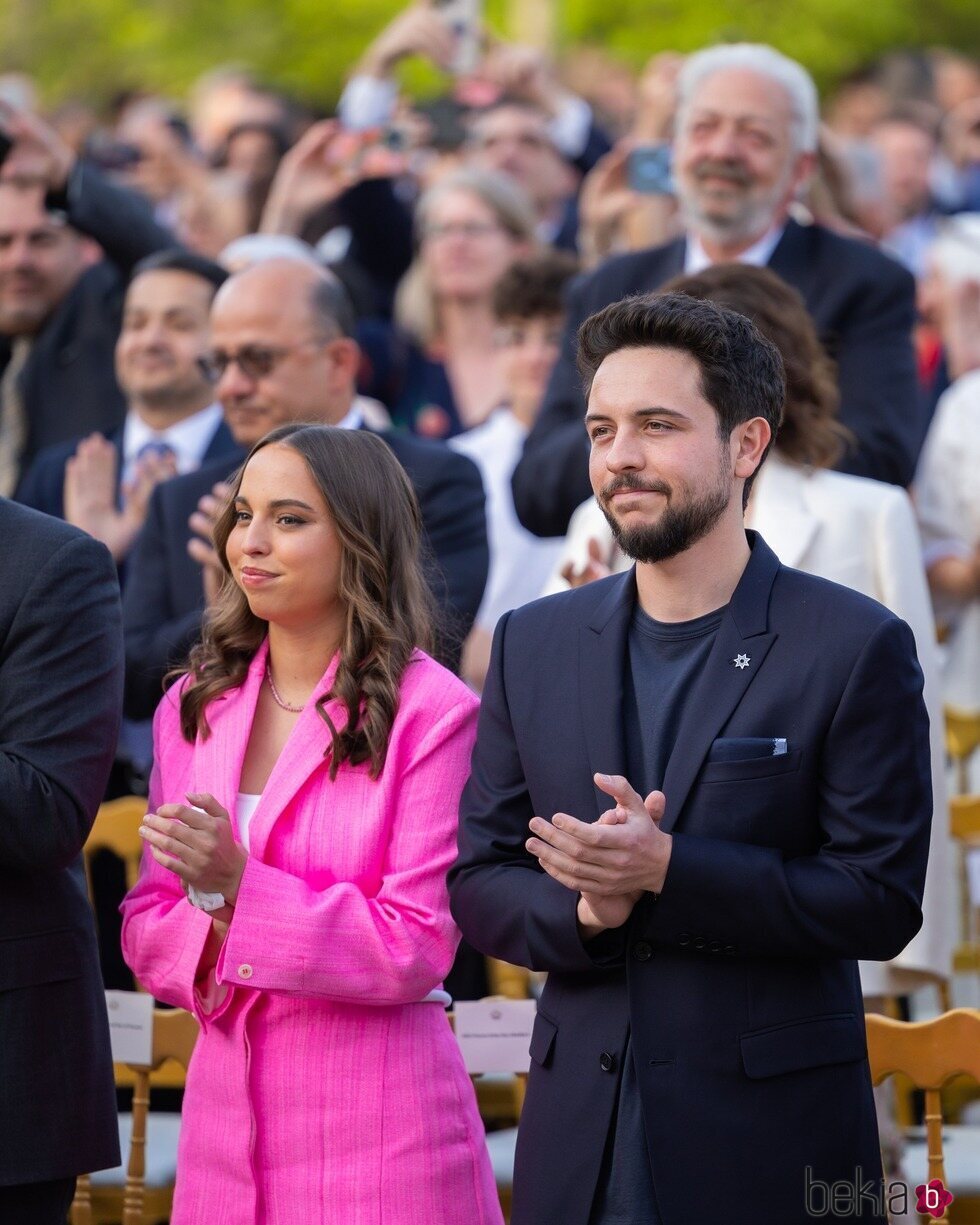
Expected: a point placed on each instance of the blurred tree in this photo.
(91, 48)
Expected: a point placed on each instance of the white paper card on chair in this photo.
(494, 1035)
(130, 1026)
(973, 875)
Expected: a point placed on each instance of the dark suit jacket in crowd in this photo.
(164, 597)
(43, 486)
(68, 383)
(863, 306)
(60, 701)
(739, 985)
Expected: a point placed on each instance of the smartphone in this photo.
(465, 20)
(648, 170)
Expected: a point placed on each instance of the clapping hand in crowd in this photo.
(90, 493)
(598, 565)
(201, 544)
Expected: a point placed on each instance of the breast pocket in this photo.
(753, 767)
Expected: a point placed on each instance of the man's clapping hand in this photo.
(611, 862)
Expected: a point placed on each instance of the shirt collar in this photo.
(189, 438)
(696, 259)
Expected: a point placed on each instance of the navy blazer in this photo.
(164, 598)
(863, 306)
(60, 701)
(43, 485)
(740, 984)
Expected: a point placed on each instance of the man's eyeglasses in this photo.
(254, 361)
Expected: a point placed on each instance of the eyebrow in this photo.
(279, 503)
(639, 414)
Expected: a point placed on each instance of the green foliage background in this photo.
(90, 48)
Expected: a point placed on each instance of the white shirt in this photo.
(519, 562)
(696, 259)
(189, 438)
(245, 806)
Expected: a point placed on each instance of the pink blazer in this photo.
(321, 1090)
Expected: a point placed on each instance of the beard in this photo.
(678, 527)
(747, 219)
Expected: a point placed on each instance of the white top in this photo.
(189, 438)
(519, 562)
(245, 807)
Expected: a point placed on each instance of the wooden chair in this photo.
(962, 741)
(99, 1197)
(116, 829)
(964, 828)
(929, 1054)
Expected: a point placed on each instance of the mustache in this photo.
(632, 484)
(725, 170)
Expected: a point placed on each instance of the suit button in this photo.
(699, 943)
(245, 971)
(714, 946)
(607, 1062)
(642, 951)
(685, 940)
(730, 950)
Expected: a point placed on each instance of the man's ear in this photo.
(804, 168)
(749, 441)
(345, 359)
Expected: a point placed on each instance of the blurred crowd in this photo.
(466, 237)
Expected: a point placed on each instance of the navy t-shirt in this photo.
(663, 661)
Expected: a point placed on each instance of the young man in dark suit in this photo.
(745, 144)
(282, 351)
(60, 701)
(700, 792)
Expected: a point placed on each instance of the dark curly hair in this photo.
(389, 610)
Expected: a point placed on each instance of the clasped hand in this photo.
(611, 862)
(199, 847)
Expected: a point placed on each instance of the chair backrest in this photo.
(174, 1034)
(930, 1054)
(962, 741)
(116, 829)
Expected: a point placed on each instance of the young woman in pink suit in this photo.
(302, 816)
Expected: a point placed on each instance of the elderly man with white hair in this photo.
(745, 145)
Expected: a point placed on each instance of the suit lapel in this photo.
(218, 760)
(602, 668)
(743, 636)
(302, 754)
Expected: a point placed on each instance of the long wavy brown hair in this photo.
(389, 610)
(810, 432)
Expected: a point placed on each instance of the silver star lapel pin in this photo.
(741, 661)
